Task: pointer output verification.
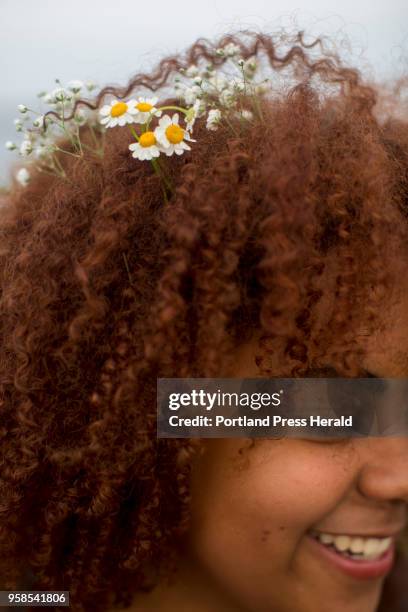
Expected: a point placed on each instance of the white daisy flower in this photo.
(213, 119)
(171, 136)
(147, 146)
(23, 176)
(26, 148)
(142, 109)
(115, 113)
(10, 146)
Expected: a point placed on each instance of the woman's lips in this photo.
(362, 568)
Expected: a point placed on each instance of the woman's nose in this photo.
(384, 472)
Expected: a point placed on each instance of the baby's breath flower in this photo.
(263, 87)
(48, 99)
(60, 95)
(23, 176)
(218, 81)
(250, 66)
(247, 114)
(237, 84)
(241, 62)
(43, 150)
(192, 71)
(244, 114)
(193, 113)
(116, 113)
(90, 85)
(142, 109)
(39, 121)
(213, 119)
(26, 148)
(10, 146)
(80, 116)
(197, 80)
(171, 136)
(18, 125)
(227, 98)
(231, 49)
(22, 108)
(75, 86)
(190, 94)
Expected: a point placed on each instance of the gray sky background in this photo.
(109, 40)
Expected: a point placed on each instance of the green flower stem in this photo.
(178, 108)
(79, 141)
(50, 173)
(152, 115)
(67, 133)
(67, 152)
(98, 146)
(134, 133)
(257, 106)
(63, 114)
(165, 177)
(57, 164)
(156, 168)
(93, 136)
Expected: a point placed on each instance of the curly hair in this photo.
(104, 288)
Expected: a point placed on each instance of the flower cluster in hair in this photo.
(58, 118)
(203, 92)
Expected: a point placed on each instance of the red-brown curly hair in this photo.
(104, 287)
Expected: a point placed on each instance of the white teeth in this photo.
(355, 547)
(342, 543)
(326, 538)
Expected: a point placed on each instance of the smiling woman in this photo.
(274, 243)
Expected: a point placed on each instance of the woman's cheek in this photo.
(276, 493)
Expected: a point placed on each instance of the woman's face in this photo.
(257, 510)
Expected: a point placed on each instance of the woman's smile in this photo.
(357, 556)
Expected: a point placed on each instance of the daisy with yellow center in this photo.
(143, 108)
(116, 113)
(171, 136)
(146, 147)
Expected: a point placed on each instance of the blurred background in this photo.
(109, 40)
